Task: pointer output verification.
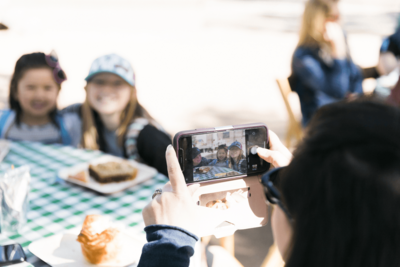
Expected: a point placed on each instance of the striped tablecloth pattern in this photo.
(58, 206)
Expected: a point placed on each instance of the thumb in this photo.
(193, 188)
(276, 158)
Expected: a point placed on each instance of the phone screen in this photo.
(222, 154)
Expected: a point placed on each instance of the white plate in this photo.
(63, 250)
(144, 173)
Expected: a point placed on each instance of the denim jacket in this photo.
(319, 81)
(240, 166)
(217, 163)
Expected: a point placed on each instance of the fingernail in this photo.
(169, 148)
(259, 149)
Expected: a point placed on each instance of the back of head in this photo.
(313, 22)
(343, 188)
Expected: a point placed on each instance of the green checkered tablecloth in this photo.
(56, 207)
(211, 173)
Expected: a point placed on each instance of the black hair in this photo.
(24, 63)
(342, 188)
(225, 148)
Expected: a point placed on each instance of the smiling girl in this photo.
(237, 160)
(33, 114)
(222, 157)
(114, 121)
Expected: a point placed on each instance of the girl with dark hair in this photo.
(222, 157)
(33, 114)
(335, 204)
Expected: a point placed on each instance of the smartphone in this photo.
(226, 152)
(11, 254)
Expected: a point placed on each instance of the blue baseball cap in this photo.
(195, 152)
(235, 144)
(114, 64)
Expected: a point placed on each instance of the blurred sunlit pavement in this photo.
(198, 63)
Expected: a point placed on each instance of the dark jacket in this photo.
(167, 246)
(319, 81)
(203, 162)
(240, 166)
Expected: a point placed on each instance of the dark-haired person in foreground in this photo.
(339, 194)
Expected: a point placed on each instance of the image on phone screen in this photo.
(223, 154)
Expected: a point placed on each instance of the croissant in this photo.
(99, 244)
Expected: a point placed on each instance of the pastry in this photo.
(80, 176)
(112, 172)
(204, 169)
(220, 204)
(219, 175)
(100, 242)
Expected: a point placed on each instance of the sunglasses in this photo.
(270, 181)
(58, 74)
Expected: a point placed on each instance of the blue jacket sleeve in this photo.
(333, 80)
(212, 163)
(167, 246)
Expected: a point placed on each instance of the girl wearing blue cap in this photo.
(33, 114)
(114, 121)
(237, 160)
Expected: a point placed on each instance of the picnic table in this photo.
(56, 207)
(211, 174)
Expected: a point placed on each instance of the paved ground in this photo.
(198, 63)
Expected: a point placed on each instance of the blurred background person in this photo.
(113, 120)
(389, 64)
(33, 114)
(322, 70)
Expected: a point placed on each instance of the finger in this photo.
(174, 172)
(276, 144)
(167, 187)
(193, 188)
(146, 213)
(276, 158)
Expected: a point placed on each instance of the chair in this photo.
(294, 128)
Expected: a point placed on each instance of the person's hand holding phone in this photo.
(176, 205)
(278, 155)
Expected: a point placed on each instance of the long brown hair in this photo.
(90, 135)
(312, 27)
(239, 158)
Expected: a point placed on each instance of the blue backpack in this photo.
(6, 117)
